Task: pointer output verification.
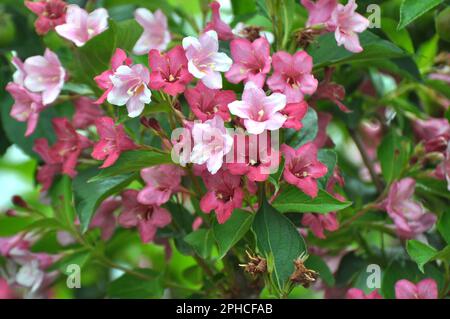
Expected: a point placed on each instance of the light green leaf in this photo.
(419, 252)
(201, 241)
(444, 226)
(393, 154)
(136, 287)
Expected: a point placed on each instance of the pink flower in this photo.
(53, 163)
(6, 292)
(156, 33)
(27, 106)
(82, 26)
(320, 222)
(113, 141)
(86, 112)
(147, 218)
(161, 182)
(322, 138)
(205, 103)
(256, 159)
(294, 113)
(320, 11)
(68, 146)
(104, 217)
(302, 168)
(51, 13)
(409, 216)
(204, 60)
(19, 74)
(435, 133)
(425, 289)
(103, 80)
(44, 74)
(328, 90)
(182, 144)
(251, 61)
(211, 143)
(224, 194)
(292, 75)
(130, 88)
(347, 23)
(260, 112)
(355, 293)
(223, 30)
(169, 71)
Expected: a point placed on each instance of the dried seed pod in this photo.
(256, 265)
(303, 275)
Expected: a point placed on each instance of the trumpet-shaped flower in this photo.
(82, 26)
(129, 87)
(260, 112)
(51, 13)
(156, 35)
(223, 30)
(44, 74)
(204, 60)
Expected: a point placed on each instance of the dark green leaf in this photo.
(279, 242)
(89, 195)
(293, 200)
(308, 132)
(393, 154)
(329, 158)
(131, 286)
(228, 234)
(444, 226)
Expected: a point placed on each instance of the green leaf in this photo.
(426, 54)
(419, 252)
(410, 10)
(131, 286)
(10, 226)
(88, 196)
(326, 52)
(228, 234)
(433, 186)
(293, 200)
(393, 154)
(127, 34)
(279, 241)
(81, 89)
(317, 264)
(443, 226)
(201, 241)
(308, 132)
(132, 161)
(399, 37)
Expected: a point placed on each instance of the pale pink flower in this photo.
(347, 23)
(86, 112)
(82, 26)
(147, 218)
(161, 182)
(44, 74)
(223, 30)
(320, 222)
(294, 113)
(211, 143)
(434, 132)
(156, 33)
(113, 141)
(169, 71)
(205, 103)
(19, 74)
(197, 223)
(224, 194)
(302, 169)
(182, 144)
(104, 80)
(130, 88)
(425, 289)
(260, 112)
(320, 11)
(409, 216)
(204, 60)
(26, 107)
(50, 13)
(355, 293)
(104, 217)
(251, 61)
(292, 75)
